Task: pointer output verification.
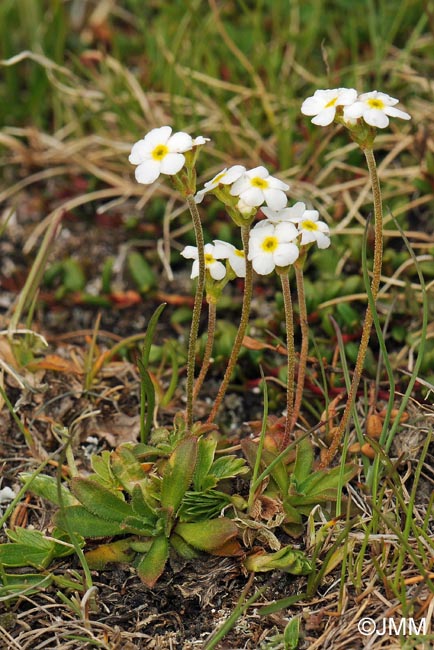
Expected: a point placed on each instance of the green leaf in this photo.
(205, 456)
(47, 487)
(84, 523)
(29, 583)
(140, 504)
(139, 526)
(99, 500)
(207, 535)
(182, 548)
(178, 473)
(151, 566)
(127, 468)
(278, 473)
(198, 506)
(303, 460)
(101, 465)
(23, 555)
(115, 552)
(286, 559)
(228, 467)
(322, 485)
(141, 272)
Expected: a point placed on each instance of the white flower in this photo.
(256, 186)
(225, 177)
(323, 104)
(271, 245)
(216, 269)
(375, 107)
(236, 257)
(159, 152)
(287, 214)
(312, 230)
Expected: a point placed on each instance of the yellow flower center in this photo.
(309, 225)
(376, 103)
(160, 152)
(270, 244)
(259, 182)
(332, 102)
(209, 259)
(239, 253)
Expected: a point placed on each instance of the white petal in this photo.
(217, 270)
(253, 197)
(354, 111)
(307, 237)
(274, 215)
(179, 142)
(209, 248)
(286, 231)
(222, 249)
(147, 172)
(263, 264)
(157, 136)
(325, 117)
(275, 199)
(262, 229)
(139, 153)
(286, 254)
(200, 140)
(346, 96)
(312, 106)
(195, 269)
(375, 117)
(260, 172)
(396, 112)
(238, 263)
(233, 174)
(277, 184)
(172, 163)
(198, 197)
(322, 240)
(240, 185)
(190, 253)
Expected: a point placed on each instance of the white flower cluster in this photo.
(374, 107)
(274, 241)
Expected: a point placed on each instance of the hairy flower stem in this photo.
(290, 351)
(367, 325)
(304, 327)
(194, 330)
(244, 320)
(212, 309)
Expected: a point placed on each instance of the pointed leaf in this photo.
(286, 559)
(151, 566)
(99, 500)
(47, 487)
(115, 552)
(178, 473)
(205, 456)
(84, 523)
(303, 460)
(207, 535)
(127, 468)
(323, 483)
